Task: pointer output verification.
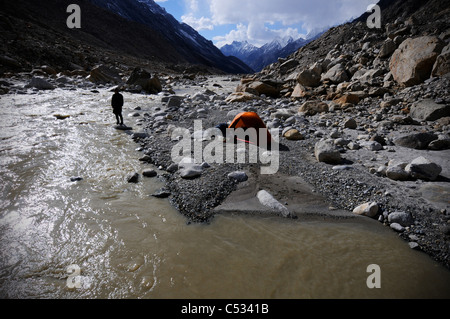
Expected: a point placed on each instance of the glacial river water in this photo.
(102, 237)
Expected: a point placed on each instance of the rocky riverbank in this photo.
(416, 206)
(371, 175)
(362, 117)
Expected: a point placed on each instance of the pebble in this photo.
(190, 170)
(149, 173)
(402, 218)
(266, 199)
(369, 209)
(133, 178)
(397, 227)
(162, 193)
(238, 176)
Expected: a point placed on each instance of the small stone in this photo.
(369, 209)
(353, 146)
(133, 178)
(372, 145)
(397, 227)
(335, 134)
(266, 199)
(293, 135)
(162, 193)
(397, 173)
(403, 218)
(138, 135)
(313, 107)
(238, 176)
(341, 167)
(145, 158)
(149, 173)
(189, 169)
(61, 117)
(351, 124)
(326, 151)
(40, 84)
(172, 168)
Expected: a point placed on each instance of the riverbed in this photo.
(98, 236)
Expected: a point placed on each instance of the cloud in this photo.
(198, 23)
(259, 21)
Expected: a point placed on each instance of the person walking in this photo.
(117, 103)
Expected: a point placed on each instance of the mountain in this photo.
(186, 41)
(240, 50)
(258, 58)
(131, 32)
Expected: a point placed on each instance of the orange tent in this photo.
(247, 120)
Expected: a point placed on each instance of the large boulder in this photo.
(403, 218)
(264, 88)
(313, 107)
(413, 61)
(369, 75)
(336, 74)
(347, 98)
(299, 91)
(240, 97)
(387, 49)
(423, 168)
(429, 110)
(104, 74)
(40, 84)
(442, 64)
(148, 82)
(309, 77)
(417, 141)
(327, 152)
(396, 171)
(288, 65)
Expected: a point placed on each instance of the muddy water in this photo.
(102, 237)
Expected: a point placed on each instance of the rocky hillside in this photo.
(184, 39)
(35, 33)
(356, 47)
(411, 47)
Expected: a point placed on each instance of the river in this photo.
(101, 237)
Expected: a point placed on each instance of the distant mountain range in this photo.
(259, 57)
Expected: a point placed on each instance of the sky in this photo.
(261, 21)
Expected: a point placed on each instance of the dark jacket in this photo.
(117, 103)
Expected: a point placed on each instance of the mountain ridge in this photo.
(186, 41)
(35, 33)
(259, 57)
